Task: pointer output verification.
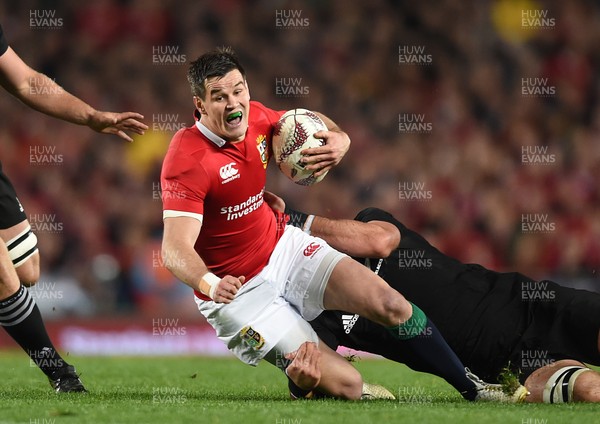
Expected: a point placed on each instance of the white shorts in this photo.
(272, 309)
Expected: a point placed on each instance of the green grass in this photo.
(208, 390)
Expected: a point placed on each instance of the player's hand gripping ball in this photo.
(292, 134)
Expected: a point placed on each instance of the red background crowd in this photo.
(504, 169)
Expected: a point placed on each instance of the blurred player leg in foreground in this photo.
(19, 314)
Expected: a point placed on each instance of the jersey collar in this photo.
(210, 135)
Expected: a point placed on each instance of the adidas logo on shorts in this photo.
(348, 321)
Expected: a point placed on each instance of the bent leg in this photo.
(327, 372)
(338, 377)
(354, 288)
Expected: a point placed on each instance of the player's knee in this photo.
(23, 252)
(392, 308)
(562, 382)
(587, 387)
(29, 272)
(350, 388)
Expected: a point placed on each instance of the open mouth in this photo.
(234, 118)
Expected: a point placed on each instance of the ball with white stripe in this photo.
(293, 133)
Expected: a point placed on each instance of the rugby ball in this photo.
(293, 133)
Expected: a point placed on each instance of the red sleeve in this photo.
(184, 182)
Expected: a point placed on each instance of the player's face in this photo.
(226, 106)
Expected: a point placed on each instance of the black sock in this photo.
(427, 351)
(22, 320)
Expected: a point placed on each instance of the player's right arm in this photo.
(41, 93)
(180, 257)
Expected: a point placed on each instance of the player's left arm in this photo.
(373, 239)
(41, 93)
(304, 370)
(337, 143)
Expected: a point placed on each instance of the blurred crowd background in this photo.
(95, 202)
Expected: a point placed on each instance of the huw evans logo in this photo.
(538, 19)
(413, 259)
(537, 291)
(413, 190)
(45, 223)
(167, 55)
(413, 123)
(291, 87)
(415, 55)
(291, 19)
(167, 122)
(44, 19)
(537, 155)
(44, 155)
(537, 87)
(536, 223)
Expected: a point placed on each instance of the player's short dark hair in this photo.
(215, 63)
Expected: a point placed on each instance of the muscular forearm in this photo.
(375, 239)
(41, 93)
(44, 95)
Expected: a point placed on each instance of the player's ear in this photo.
(199, 105)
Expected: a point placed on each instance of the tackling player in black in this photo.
(541, 331)
(436, 358)
(19, 257)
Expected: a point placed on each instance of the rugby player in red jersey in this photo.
(19, 256)
(258, 281)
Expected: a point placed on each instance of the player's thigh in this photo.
(22, 246)
(586, 387)
(353, 287)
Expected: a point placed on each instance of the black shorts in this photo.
(11, 210)
(491, 320)
(564, 325)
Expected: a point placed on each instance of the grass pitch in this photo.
(209, 390)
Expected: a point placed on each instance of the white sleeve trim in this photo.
(175, 214)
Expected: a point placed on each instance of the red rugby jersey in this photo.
(222, 184)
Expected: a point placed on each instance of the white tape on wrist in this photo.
(213, 281)
(308, 223)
